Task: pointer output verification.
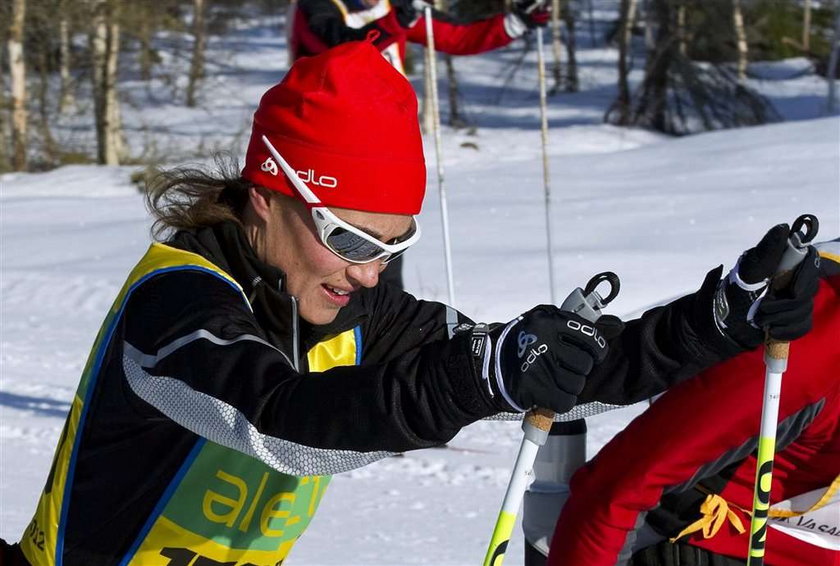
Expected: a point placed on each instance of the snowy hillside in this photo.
(660, 212)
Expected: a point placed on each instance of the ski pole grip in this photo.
(586, 303)
(802, 232)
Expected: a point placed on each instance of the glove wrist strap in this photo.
(500, 382)
(735, 279)
(514, 26)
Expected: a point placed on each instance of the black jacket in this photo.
(211, 359)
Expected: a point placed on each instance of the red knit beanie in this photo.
(346, 121)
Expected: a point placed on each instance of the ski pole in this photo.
(431, 61)
(588, 304)
(775, 360)
(546, 176)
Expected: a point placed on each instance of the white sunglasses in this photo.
(343, 239)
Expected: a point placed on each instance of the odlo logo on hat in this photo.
(269, 166)
(310, 177)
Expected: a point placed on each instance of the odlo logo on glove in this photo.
(524, 340)
(587, 330)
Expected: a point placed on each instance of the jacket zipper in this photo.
(295, 334)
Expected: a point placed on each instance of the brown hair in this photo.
(188, 198)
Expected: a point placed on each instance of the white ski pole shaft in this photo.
(776, 354)
(546, 173)
(536, 425)
(431, 61)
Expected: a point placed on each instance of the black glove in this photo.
(533, 13)
(744, 306)
(407, 11)
(540, 359)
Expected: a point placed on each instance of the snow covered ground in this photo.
(658, 211)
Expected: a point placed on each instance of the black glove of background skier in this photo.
(540, 359)
(745, 307)
(533, 13)
(408, 11)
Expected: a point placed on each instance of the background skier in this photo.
(317, 25)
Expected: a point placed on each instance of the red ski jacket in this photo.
(695, 447)
(318, 25)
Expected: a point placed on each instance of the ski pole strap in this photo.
(716, 511)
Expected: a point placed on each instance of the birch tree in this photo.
(621, 107)
(740, 39)
(199, 41)
(455, 118)
(678, 95)
(571, 48)
(5, 117)
(17, 84)
(806, 26)
(66, 99)
(681, 31)
(427, 112)
(41, 23)
(556, 45)
(104, 47)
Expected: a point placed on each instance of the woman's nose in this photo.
(365, 274)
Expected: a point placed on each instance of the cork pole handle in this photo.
(540, 418)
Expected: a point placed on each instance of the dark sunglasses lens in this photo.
(352, 246)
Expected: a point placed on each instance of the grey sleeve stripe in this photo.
(578, 412)
(151, 360)
(451, 321)
(223, 424)
(587, 410)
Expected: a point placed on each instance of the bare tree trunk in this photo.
(199, 40)
(652, 106)
(456, 120)
(591, 23)
(112, 97)
(741, 39)
(42, 95)
(650, 24)
(144, 36)
(17, 77)
(105, 55)
(67, 99)
(806, 26)
(831, 72)
(628, 14)
(5, 133)
(427, 112)
(572, 83)
(683, 49)
(556, 46)
(98, 47)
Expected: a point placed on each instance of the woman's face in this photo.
(321, 281)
